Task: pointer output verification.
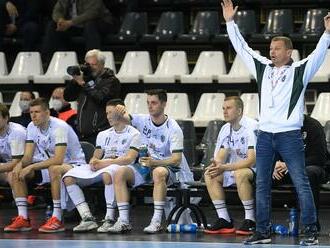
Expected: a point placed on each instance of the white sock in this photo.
(123, 208)
(57, 211)
(158, 211)
(21, 204)
(78, 199)
(221, 208)
(249, 209)
(109, 194)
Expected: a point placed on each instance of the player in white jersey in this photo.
(115, 147)
(164, 140)
(12, 142)
(58, 150)
(234, 158)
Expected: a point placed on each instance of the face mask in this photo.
(57, 104)
(24, 105)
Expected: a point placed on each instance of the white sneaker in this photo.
(107, 223)
(120, 227)
(86, 224)
(154, 227)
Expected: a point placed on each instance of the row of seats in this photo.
(136, 67)
(206, 27)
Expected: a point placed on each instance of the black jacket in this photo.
(92, 99)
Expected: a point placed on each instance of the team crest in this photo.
(242, 140)
(123, 141)
(162, 138)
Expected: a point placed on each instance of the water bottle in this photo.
(49, 212)
(143, 152)
(280, 229)
(182, 228)
(293, 222)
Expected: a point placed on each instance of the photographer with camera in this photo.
(92, 86)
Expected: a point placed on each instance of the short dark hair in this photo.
(238, 101)
(30, 92)
(40, 102)
(4, 110)
(115, 102)
(161, 93)
(287, 41)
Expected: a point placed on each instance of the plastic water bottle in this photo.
(182, 228)
(143, 152)
(293, 222)
(49, 212)
(280, 229)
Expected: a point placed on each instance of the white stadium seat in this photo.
(323, 74)
(136, 103)
(295, 55)
(3, 65)
(177, 106)
(321, 110)
(209, 66)
(1, 98)
(109, 60)
(14, 109)
(135, 65)
(251, 105)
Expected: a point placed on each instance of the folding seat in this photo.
(209, 65)
(134, 25)
(136, 103)
(251, 105)
(14, 109)
(56, 72)
(26, 66)
(171, 66)
(3, 65)
(209, 108)
(1, 97)
(321, 110)
(109, 60)
(170, 25)
(135, 65)
(295, 55)
(205, 26)
(177, 106)
(323, 74)
(189, 141)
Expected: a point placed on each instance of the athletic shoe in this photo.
(154, 227)
(107, 223)
(221, 226)
(52, 225)
(120, 227)
(247, 227)
(19, 224)
(258, 238)
(86, 224)
(310, 233)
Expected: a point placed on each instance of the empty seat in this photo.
(323, 74)
(132, 28)
(207, 69)
(189, 141)
(56, 72)
(26, 66)
(135, 65)
(3, 65)
(170, 25)
(171, 66)
(136, 103)
(206, 25)
(177, 106)
(295, 55)
(321, 110)
(14, 109)
(1, 98)
(251, 105)
(209, 108)
(238, 73)
(109, 61)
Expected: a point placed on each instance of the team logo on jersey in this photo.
(162, 138)
(147, 132)
(123, 141)
(242, 140)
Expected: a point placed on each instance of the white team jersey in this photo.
(13, 142)
(58, 133)
(117, 144)
(162, 141)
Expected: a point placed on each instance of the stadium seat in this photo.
(323, 74)
(56, 72)
(14, 109)
(170, 25)
(321, 110)
(109, 61)
(171, 66)
(135, 65)
(177, 106)
(209, 108)
(251, 105)
(157, 2)
(238, 73)
(209, 66)
(26, 66)
(189, 141)
(295, 55)
(132, 28)
(1, 97)
(136, 103)
(88, 150)
(327, 134)
(3, 65)
(205, 26)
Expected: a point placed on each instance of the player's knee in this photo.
(120, 176)
(69, 181)
(159, 175)
(106, 178)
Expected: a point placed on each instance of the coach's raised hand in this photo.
(228, 10)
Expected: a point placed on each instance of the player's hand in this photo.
(146, 161)
(280, 170)
(327, 23)
(79, 79)
(215, 169)
(24, 172)
(228, 10)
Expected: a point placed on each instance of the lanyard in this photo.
(276, 78)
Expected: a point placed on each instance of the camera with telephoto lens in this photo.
(76, 70)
